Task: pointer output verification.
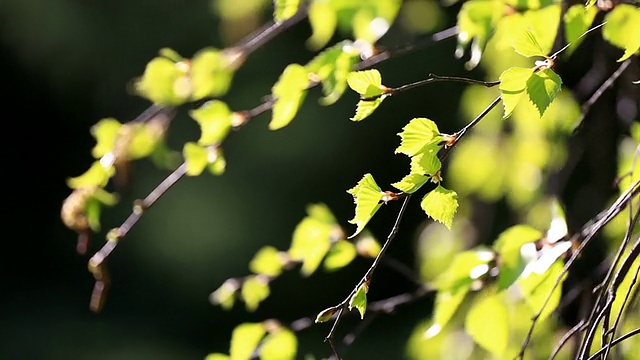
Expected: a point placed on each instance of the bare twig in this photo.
(429, 80)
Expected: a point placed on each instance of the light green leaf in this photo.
(536, 288)
(542, 87)
(196, 158)
(165, 82)
(509, 247)
(219, 164)
(254, 290)
(635, 131)
(577, 20)
(426, 162)
(105, 132)
(446, 304)
(281, 344)
(217, 356)
(214, 118)
(465, 267)
(143, 139)
(367, 245)
(211, 73)
(244, 339)
(359, 299)
(326, 314)
(311, 242)
(97, 175)
(476, 21)
(267, 261)
(225, 294)
(621, 28)
(289, 92)
(323, 20)
(367, 196)
(284, 9)
(331, 67)
(411, 183)
(441, 205)
(321, 213)
(367, 83)
(513, 83)
(488, 324)
(526, 44)
(94, 205)
(417, 134)
(366, 108)
(340, 255)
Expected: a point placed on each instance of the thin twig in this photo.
(431, 79)
(615, 342)
(574, 330)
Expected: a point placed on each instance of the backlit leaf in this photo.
(311, 242)
(446, 304)
(254, 290)
(165, 82)
(367, 196)
(426, 162)
(441, 205)
(105, 132)
(577, 20)
(267, 261)
(214, 118)
(411, 183)
(488, 324)
(289, 92)
(464, 269)
(340, 255)
(526, 44)
(225, 294)
(537, 287)
(513, 83)
(217, 356)
(321, 213)
(326, 314)
(144, 137)
(509, 247)
(196, 158)
(97, 175)
(331, 67)
(366, 107)
(211, 73)
(281, 344)
(323, 20)
(367, 245)
(367, 83)
(284, 9)
(359, 300)
(417, 134)
(622, 28)
(542, 87)
(244, 339)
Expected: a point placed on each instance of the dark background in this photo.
(66, 65)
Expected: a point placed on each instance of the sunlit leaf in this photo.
(367, 245)
(289, 92)
(254, 290)
(359, 299)
(367, 83)
(417, 134)
(217, 356)
(446, 304)
(537, 287)
(331, 67)
(411, 183)
(513, 83)
(441, 205)
(225, 295)
(426, 162)
(144, 137)
(526, 44)
(105, 132)
(97, 175)
(464, 269)
(244, 339)
(488, 324)
(219, 164)
(323, 20)
(340, 255)
(577, 20)
(542, 87)
(214, 118)
(476, 21)
(367, 196)
(281, 344)
(509, 247)
(366, 107)
(211, 73)
(284, 9)
(165, 82)
(196, 158)
(326, 314)
(321, 213)
(621, 28)
(311, 242)
(267, 261)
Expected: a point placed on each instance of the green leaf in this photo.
(97, 175)
(441, 205)
(476, 21)
(289, 92)
(621, 28)
(340, 255)
(367, 83)
(254, 290)
(225, 294)
(219, 164)
(165, 82)
(367, 196)
(105, 132)
(331, 67)
(465, 267)
(143, 139)
(577, 20)
(217, 356)
(214, 118)
(267, 261)
(426, 162)
(536, 287)
(211, 73)
(411, 183)
(284, 9)
(326, 314)
(488, 324)
(281, 344)
(359, 299)
(446, 304)
(196, 158)
(323, 20)
(542, 87)
(417, 134)
(94, 205)
(526, 44)
(244, 339)
(366, 107)
(367, 245)
(509, 247)
(321, 213)
(513, 83)
(311, 242)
